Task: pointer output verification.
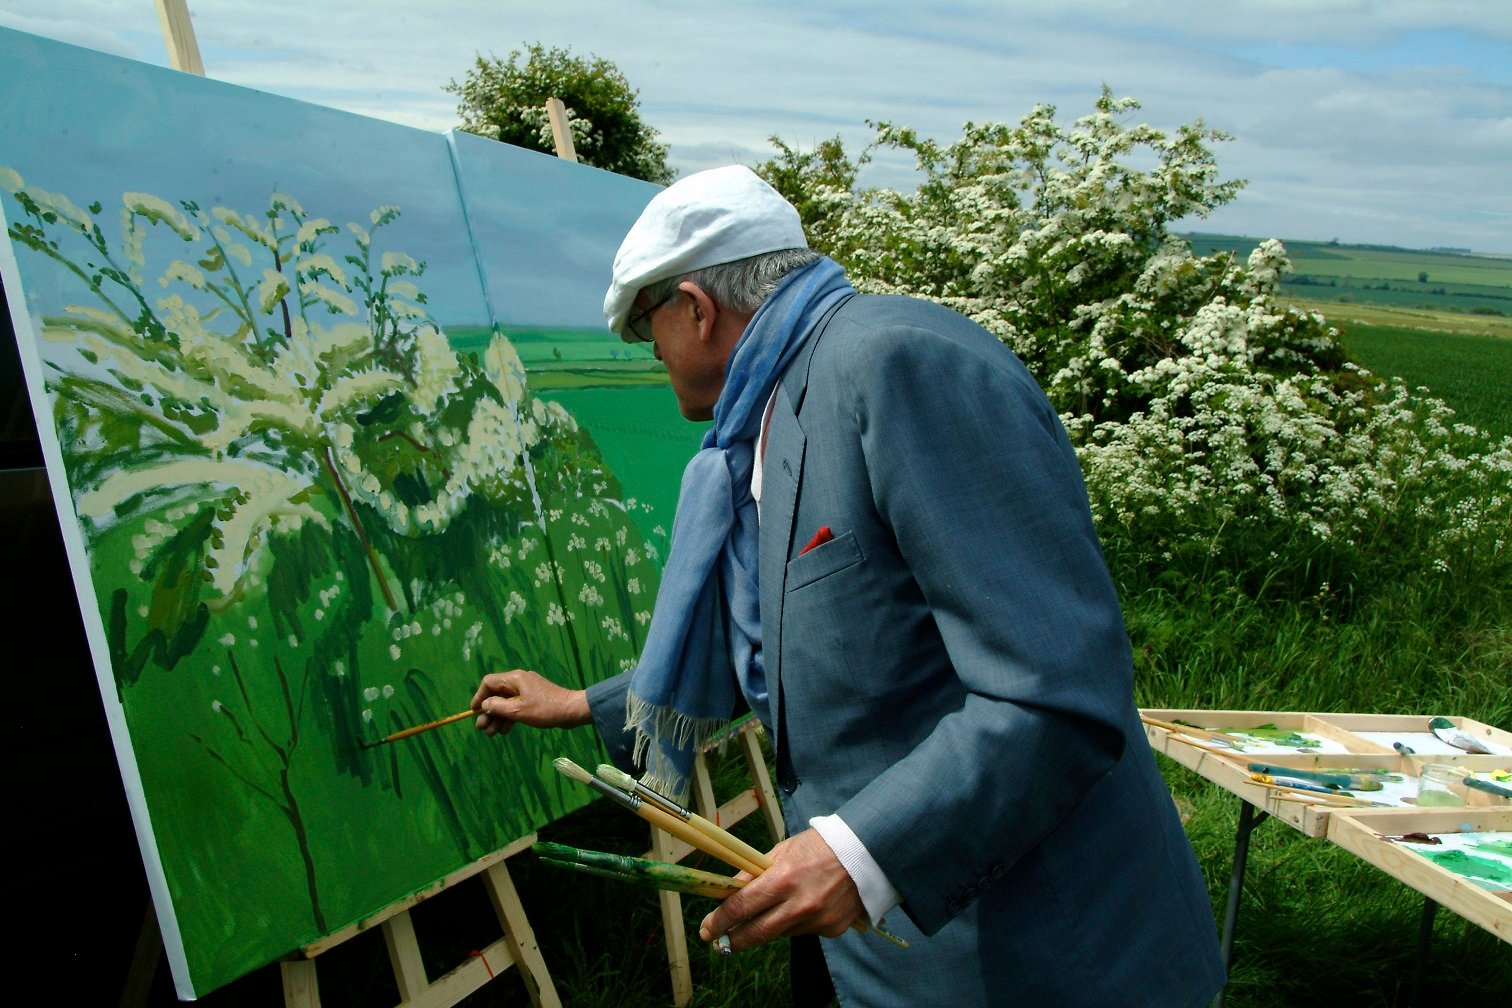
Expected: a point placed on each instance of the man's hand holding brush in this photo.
(805, 891)
(521, 696)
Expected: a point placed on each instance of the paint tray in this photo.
(1333, 741)
(1482, 902)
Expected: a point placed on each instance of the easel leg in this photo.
(1248, 820)
(1425, 937)
(761, 780)
(520, 937)
(144, 962)
(672, 926)
(301, 989)
(404, 955)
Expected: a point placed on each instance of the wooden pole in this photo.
(178, 33)
(561, 133)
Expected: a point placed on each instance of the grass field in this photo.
(1469, 371)
(1465, 360)
(1438, 280)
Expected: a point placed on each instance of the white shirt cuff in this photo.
(877, 894)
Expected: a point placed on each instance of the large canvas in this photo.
(286, 382)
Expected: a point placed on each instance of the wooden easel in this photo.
(178, 34)
(516, 948)
(665, 847)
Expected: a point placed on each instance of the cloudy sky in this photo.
(1382, 121)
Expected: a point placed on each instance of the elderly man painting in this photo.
(884, 549)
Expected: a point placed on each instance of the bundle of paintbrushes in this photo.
(1193, 735)
(689, 827)
(642, 871)
(1337, 780)
(1297, 788)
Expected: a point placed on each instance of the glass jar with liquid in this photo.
(1439, 786)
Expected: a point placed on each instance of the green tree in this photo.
(506, 100)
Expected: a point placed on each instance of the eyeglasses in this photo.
(639, 326)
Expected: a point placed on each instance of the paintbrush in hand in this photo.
(406, 733)
(643, 871)
(688, 833)
(625, 782)
(660, 818)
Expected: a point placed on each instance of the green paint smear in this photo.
(1275, 736)
(1503, 847)
(1484, 871)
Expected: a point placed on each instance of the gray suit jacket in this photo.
(950, 673)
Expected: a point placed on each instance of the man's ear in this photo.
(705, 311)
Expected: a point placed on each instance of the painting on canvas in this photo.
(309, 491)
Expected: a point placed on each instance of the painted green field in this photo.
(1438, 279)
(618, 392)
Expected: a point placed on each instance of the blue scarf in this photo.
(704, 642)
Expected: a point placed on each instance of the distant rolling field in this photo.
(1434, 279)
(1437, 318)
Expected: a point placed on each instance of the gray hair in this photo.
(740, 286)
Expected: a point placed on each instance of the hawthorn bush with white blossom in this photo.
(1222, 435)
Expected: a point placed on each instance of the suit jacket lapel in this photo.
(782, 477)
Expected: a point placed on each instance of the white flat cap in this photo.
(710, 217)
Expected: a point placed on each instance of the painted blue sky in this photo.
(92, 126)
(1386, 121)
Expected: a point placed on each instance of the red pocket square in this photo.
(821, 537)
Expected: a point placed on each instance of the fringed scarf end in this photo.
(687, 735)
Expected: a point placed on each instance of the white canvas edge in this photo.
(33, 369)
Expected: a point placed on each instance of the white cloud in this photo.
(1381, 120)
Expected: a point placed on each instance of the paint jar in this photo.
(1439, 786)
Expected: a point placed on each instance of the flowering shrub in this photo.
(1220, 431)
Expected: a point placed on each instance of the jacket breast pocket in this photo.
(820, 562)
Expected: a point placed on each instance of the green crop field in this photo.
(1446, 280)
(1450, 333)
(1470, 372)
